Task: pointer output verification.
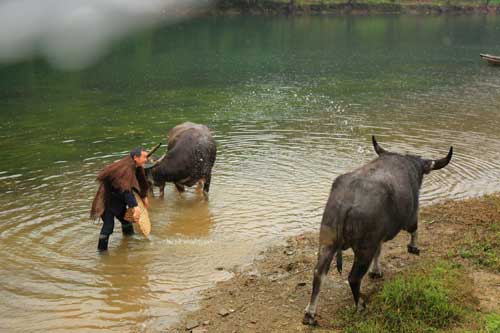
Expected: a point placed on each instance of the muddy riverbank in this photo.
(254, 7)
(271, 294)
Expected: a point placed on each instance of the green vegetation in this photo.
(357, 6)
(492, 322)
(479, 220)
(482, 243)
(336, 2)
(483, 250)
(358, 2)
(437, 296)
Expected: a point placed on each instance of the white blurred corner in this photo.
(74, 34)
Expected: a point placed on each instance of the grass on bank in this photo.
(482, 243)
(482, 247)
(400, 2)
(428, 298)
(492, 322)
(479, 219)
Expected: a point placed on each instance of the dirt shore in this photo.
(299, 8)
(271, 294)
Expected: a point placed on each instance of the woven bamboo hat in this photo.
(143, 223)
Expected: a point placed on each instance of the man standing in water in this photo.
(117, 182)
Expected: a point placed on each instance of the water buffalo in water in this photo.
(189, 159)
(367, 207)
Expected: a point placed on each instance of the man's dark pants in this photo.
(116, 208)
(108, 217)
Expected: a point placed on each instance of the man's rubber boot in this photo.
(103, 243)
(128, 229)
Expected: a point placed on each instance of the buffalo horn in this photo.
(379, 150)
(154, 149)
(441, 163)
(155, 163)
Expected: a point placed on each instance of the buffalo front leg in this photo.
(325, 257)
(375, 270)
(359, 267)
(162, 190)
(206, 185)
(413, 246)
(201, 188)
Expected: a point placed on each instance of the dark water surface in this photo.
(292, 103)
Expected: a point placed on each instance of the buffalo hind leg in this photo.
(180, 188)
(360, 266)
(375, 271)
(200, 184)
(413, 246)
(325, 257)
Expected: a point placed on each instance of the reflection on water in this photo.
(124, 285)
(292, 102)
(188, 216)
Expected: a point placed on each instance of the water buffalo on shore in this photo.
(367, 207)
(189, 159)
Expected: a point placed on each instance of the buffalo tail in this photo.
(339, 261)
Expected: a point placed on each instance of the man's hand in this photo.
(137, 214)
(146, 202)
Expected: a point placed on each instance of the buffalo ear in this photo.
(427, 166)
(379, 150)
